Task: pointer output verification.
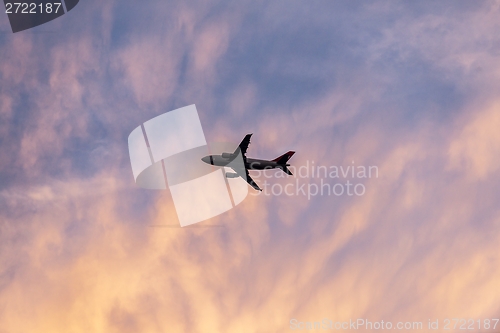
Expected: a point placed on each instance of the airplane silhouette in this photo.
(225, 159)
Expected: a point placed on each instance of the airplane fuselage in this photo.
(251, 163)
(231, 160)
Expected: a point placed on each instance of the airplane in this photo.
(249, 163)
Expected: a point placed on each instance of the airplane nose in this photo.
(206, 159)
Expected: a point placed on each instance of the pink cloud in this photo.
(421, 243)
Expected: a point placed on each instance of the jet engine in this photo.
(228, 155)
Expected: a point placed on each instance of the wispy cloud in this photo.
(409, 88)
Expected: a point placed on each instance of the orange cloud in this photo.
(95, 254)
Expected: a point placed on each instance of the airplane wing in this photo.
(243, 173)
(252, 183)
(244, 145)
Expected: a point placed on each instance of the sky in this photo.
(411, 87)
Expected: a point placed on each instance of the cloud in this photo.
(78, 248)
(477, 145)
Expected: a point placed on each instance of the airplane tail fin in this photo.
(284, 158)
(281, 160)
